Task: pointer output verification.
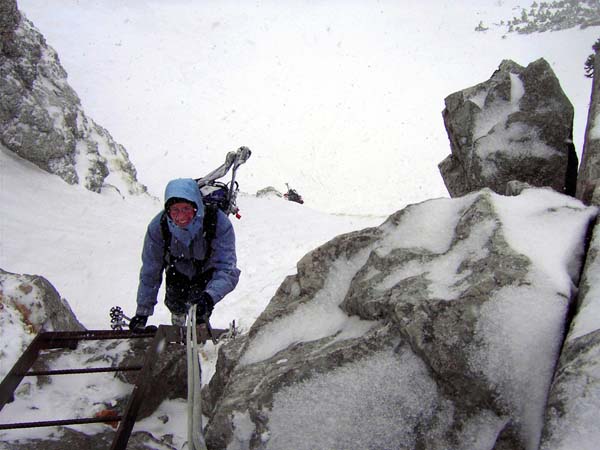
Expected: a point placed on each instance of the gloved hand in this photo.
(204, 305)
(137, 323)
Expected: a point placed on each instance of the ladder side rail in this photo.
(164, 334)
(38, 373)
(15, 375)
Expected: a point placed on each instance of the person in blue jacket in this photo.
(191, 277)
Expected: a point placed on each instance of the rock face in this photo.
(29, 304)
(589, 172)
(41, 118)
(518, 125)
(439, 329)
(574, 401)
(40, 305)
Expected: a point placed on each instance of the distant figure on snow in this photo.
(292, 195)
(195, 246)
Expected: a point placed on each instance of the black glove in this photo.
(204, 305)
(138, 323)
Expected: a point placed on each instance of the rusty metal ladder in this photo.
(69, 340)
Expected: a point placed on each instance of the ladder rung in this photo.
(76, 371)
(53, 423)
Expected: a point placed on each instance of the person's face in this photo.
(182, 213)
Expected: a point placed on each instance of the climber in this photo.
(194, 245)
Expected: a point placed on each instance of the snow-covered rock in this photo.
(439, 329)
(269, 191)
(41, 118)
(574, 400)
(29, 304)
(518, 125)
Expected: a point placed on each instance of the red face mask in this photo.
(182, 213)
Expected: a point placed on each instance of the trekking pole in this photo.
(117, 318)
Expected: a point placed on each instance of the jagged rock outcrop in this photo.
(518, 125)
(41, 118)
(588, 178)
(439, 329)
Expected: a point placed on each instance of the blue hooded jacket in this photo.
(187, 244)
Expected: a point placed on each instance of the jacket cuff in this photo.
(142, 311)
(213, 295)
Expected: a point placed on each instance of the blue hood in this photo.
(185, 188)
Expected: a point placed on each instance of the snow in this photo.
(82, 160)
(14, 339)
(496, 114)
(422, 230)
(317, 319)
(595, 129)
(517, 90)
(517, 325)
(355, 402)
(537, 217)
(345, 107)
(589, 319)
(443, 273)
(244, 430)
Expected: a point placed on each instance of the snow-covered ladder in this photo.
(69, 339)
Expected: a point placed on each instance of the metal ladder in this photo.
(69, 340)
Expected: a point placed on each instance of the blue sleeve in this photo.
(152, 268)
(223, 260)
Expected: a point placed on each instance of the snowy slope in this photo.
(341, 99)
(88, 245)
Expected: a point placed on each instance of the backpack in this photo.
(215, 196)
